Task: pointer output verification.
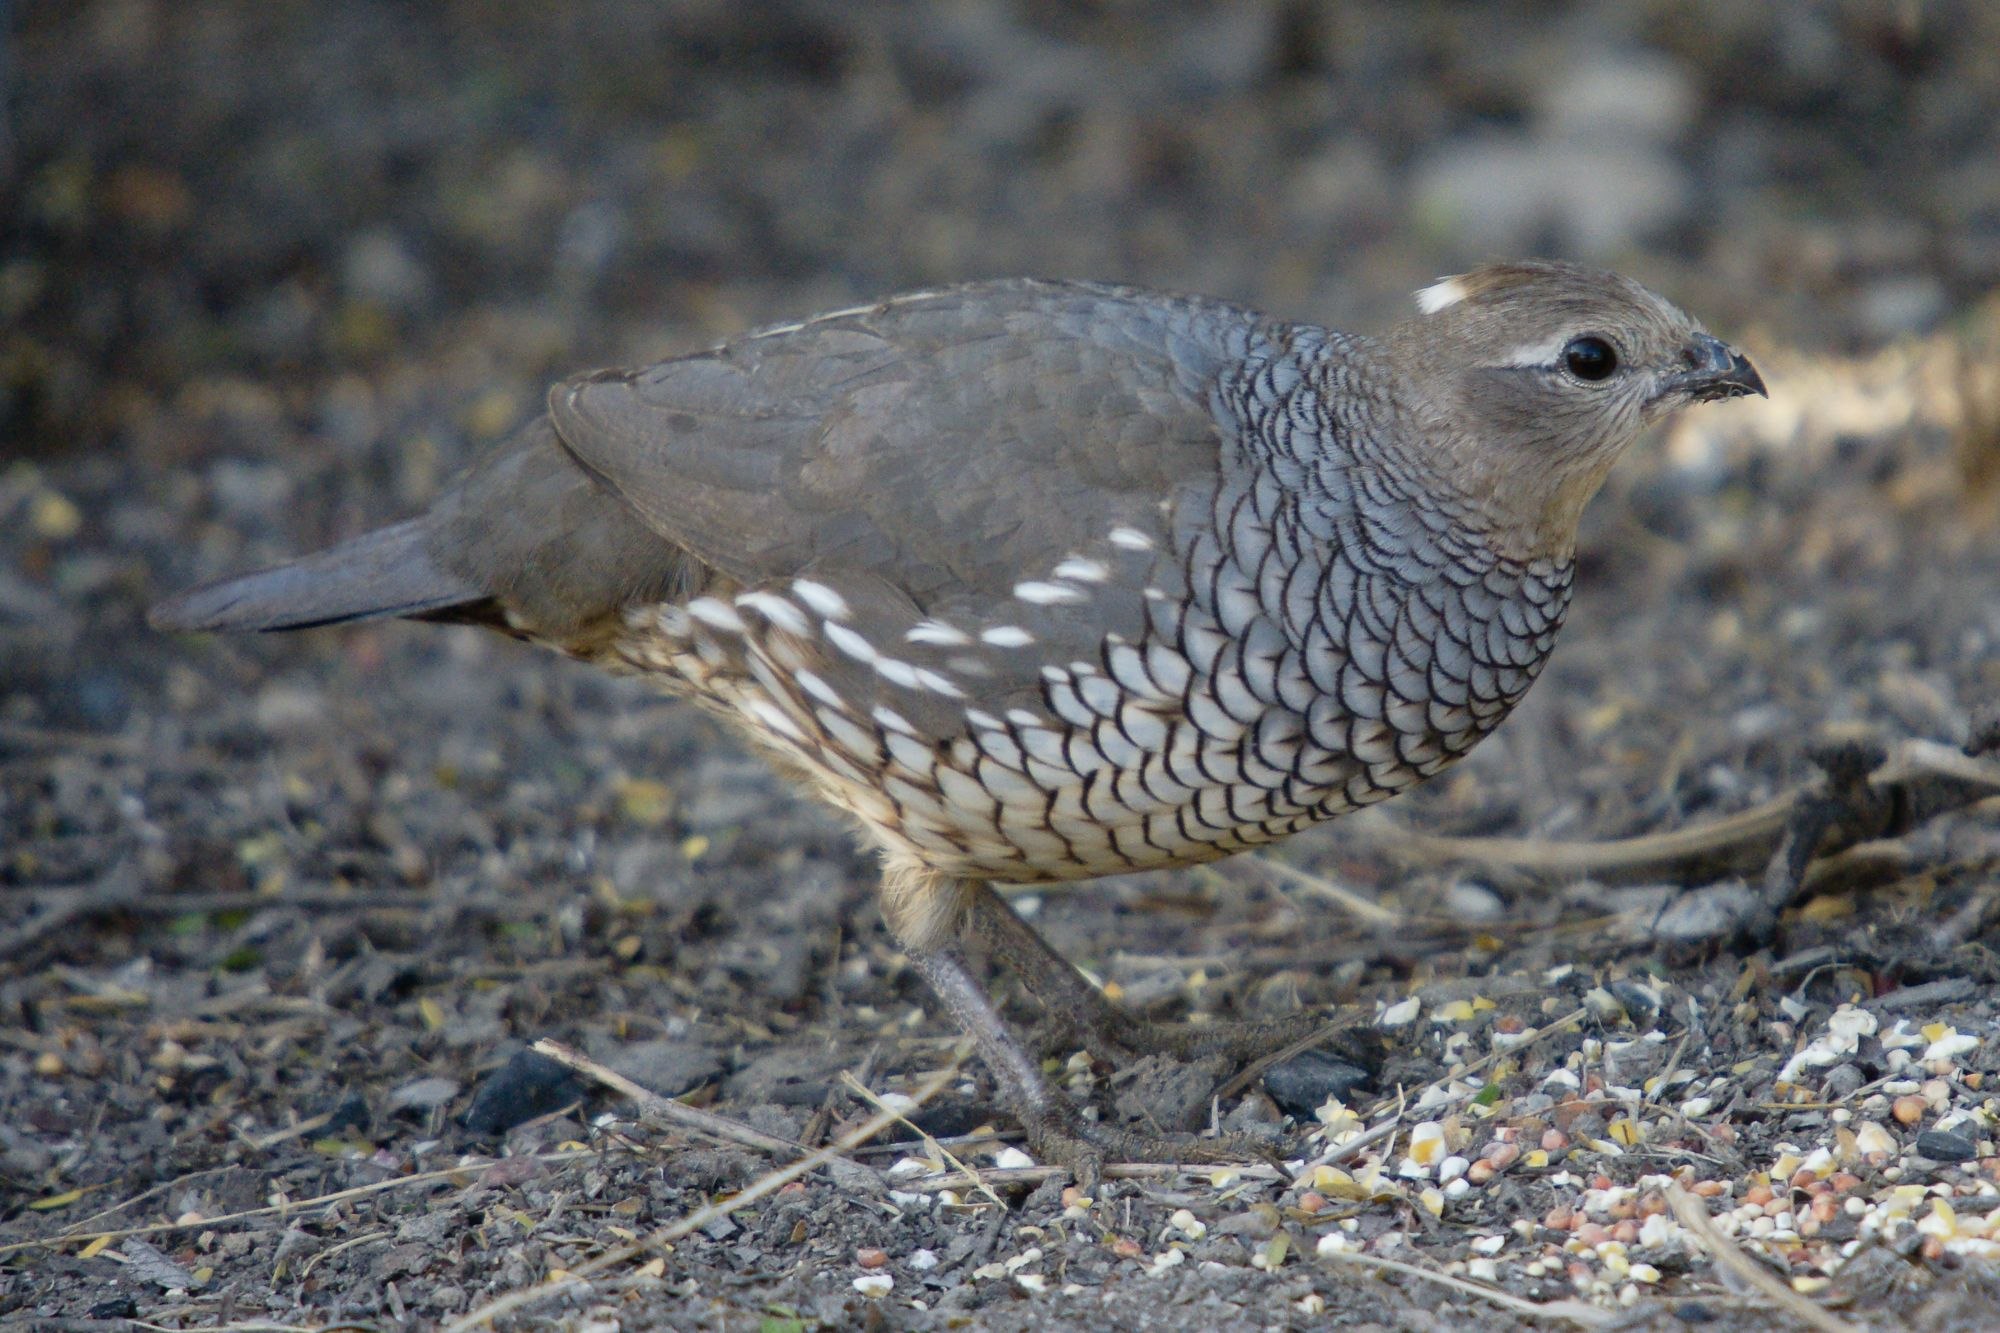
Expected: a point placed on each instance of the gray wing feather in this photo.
(949, 442)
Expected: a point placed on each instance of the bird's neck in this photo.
(1525, 501)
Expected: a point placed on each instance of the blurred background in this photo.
(354, 206)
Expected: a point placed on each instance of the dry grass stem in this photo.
(1691, 1213)
(770, 1183)
(1574, 1312)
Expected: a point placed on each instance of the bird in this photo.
(1041, 580)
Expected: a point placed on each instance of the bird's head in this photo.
(1531, 378)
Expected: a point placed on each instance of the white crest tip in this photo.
(1440, 294)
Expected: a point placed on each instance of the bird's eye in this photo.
(1590, 358)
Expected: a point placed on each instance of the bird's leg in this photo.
(1057, 1133)
(1078, 1014)
(1054, 1128)
(928, 911)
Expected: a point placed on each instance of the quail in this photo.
(1040, 581)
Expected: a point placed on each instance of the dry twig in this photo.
(1575, 1312)
(291, 1207)
(1367, 909)
(665, 1110)
(1920, 780)
(995, 1176)
(578, 1278)
(1691, 1213)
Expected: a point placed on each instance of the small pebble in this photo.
(1944, 1145)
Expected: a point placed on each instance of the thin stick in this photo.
(284, 1209)
(939, 1152)
(1932, 778)
(1319, 886)
(1748, 835)
(1386, 1129)
(852, 1174)
(1548, 1029)
(1362, 1142)
(1035, 1175)
(577, 1278)
(1692, 1214)
(254, 1326)
(1576, 1312)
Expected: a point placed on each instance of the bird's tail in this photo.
(388, 572)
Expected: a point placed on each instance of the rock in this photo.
(347, 1111)
(1304, 1083)
(665, 1066)
(1630, 95)
(1164, 1092)
(527, 1086)
(1495, 194)
(423, 1094)
(1900, 306)
(1707, 913)
(1468, 900)
(1841, 1082)
(379, 268)
(1944, 1145)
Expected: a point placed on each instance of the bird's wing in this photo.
(970, 486)
(949, 443)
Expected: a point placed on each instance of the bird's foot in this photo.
(1059, 1136)
(1057, 1132)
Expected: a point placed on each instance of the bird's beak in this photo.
(1716, 370)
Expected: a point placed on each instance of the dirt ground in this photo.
(276, 914)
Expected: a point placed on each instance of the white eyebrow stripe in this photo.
(1535, 356)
